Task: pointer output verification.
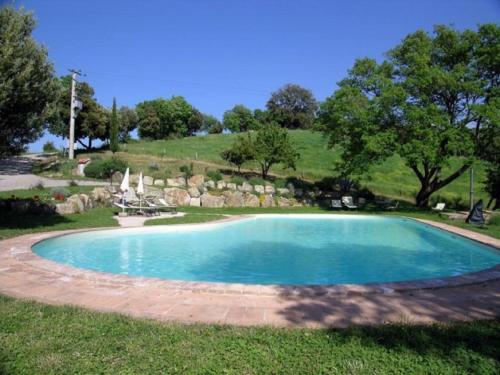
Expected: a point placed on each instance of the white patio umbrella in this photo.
(125, 186)
(140, 191)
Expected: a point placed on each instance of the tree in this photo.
(113, 129)
(293, 107)
(432, 99)
(27, 82)
(91, 122)
(127, 119)
(211, 125)
(241, 151)
(239, 119)
(271, 146)
(164, 118)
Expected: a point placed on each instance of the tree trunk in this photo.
(422, 198)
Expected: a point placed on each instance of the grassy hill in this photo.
(390, 178)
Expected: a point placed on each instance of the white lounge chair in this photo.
(336, 203)
(162, 206)
(348, 202)
(439, 207)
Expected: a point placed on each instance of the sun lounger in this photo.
(393, 207)
(163, 205)
(439, 207)
(135, 209)
(348, 202)
(336, 203)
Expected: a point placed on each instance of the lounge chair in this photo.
(439, 207)
(144, 210)
(163, 205)
(393, 206)
(336, 203)
(348, 202)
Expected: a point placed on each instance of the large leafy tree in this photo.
(211, 125)
(127, 119)
(239, 119)
(27, 85)
(434, 98)
(293, 107)
(272, 145)
(91, 122)
(163, 118)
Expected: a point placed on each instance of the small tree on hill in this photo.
(240, 152)
(271, 146)
(113, 131)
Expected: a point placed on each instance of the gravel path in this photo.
(15, 173)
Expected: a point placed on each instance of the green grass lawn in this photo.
(41, 339)
(391, 178)
(186, 219)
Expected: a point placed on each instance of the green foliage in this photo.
(27, 85)
(211, 125)
(187, 171)
(103, 169)
(272, 146)
(114, 129)
(392, 107)
(214, 175)
(162, 118)
(49, 147)
(239, 119)
(280, 183)
(292, 107)
(91, 122)
(153, 166)
(237, 180)
(241, 151)
(127, 120)
(256, 181)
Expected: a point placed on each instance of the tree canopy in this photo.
(27, 85)
(239, 119)
(293, 107)
(434, 98)
(241, 151)
(164, 118)
(211, 125)
(91, 122)
(127, 119)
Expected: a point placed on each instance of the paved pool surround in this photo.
(23, 274)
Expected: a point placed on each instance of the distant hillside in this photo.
(391, 178)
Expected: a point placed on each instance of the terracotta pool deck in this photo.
(472, 296)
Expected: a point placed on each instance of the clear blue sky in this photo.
(220, 53)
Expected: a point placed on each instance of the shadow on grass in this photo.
(31, 221)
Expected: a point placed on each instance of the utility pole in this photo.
(71, 152)
(471, 192)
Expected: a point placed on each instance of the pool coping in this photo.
(20, 249)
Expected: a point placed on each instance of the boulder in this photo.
(291, 187)
(231, 186)
(87, 202)
(250, 200)
(176, 182)
(78, 205)
(299, 192)
(117, 177)
(134, 179)
(245, 186)
(233, 198)
(176, 196)
(195, 202)
(194, 192)
(209, 200)
(148, 180)
(196, 180)
(100, 195)
(283, 202)
(269, 189)
(209, 184)
(221, 185)
(259, 189)
(65, 208)
(283, 191)
(159, 183)
(267, 201)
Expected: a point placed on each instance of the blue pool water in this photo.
(281, 249)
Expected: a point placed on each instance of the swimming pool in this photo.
(277, 249)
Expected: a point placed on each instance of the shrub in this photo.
(59, 193)
(38, 186)
(49, 147)
(237, 180)
(105, 168)
(214, 175)
(153, 166)
(256, 181)
(168, 173)
(73, 183)
(187, 171)
(280, 183)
